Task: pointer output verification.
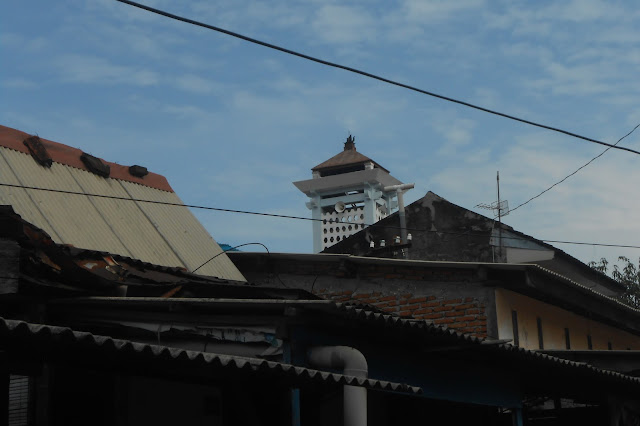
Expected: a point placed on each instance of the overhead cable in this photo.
(576, 171)
(374, 225)
(367, 74)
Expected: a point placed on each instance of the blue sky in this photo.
(232, 124)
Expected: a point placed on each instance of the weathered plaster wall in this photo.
(454, 233)
(520, 255)
(554, 321)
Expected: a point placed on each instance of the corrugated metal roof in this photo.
(154, 233)
(12, 331)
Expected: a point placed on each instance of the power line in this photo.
(194, 206)
(576, 171)
(367, 74)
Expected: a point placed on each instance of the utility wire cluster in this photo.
(194, 206)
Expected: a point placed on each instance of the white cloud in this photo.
(19, 83)
(344, 25)
(431, 10)
(97, 70)
(196, 84)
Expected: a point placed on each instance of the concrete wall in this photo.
(554, 320)
(520, 255)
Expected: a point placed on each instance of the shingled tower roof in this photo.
(348, 157)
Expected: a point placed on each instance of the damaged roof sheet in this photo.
(15, 333)
(157, 233)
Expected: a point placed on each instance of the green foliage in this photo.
(628, 275)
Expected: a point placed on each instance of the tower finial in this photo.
(350, 144)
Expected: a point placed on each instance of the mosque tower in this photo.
(348, 192)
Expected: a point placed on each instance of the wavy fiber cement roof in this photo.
(47, 335)
(154, 233)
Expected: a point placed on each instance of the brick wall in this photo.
(463, 314)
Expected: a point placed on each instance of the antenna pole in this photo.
(499, 215)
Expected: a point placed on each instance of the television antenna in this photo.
(500, 209)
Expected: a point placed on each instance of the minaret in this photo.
(347, 192)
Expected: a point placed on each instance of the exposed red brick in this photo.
(467, 330)
(405, 313)
(468, 318)
(451, 314)
(463, 307)
(431, 298)
(443, 308)
(451, 301)
(481, 317)
(432, 316)
(418, 300)
(362, 296)
(430, 304)
(407, 295)
(402, 302)
(392, 276)
(473, 311)
(445, 321)
(342, 299)
(423, 311)
(412, 307)
(347, 292)
(381, 305)
(390, 309)
(387, 298)
(458, 325)
(468, 299)
(476, 323)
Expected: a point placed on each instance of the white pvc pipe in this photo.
(353, 363)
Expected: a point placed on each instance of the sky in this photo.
(232, 124)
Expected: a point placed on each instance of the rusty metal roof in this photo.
(41, 338)
(167, 235)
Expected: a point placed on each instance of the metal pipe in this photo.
(353, 363)
(400, 189)
(402, 217)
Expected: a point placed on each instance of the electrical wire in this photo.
(375, 225)
(576, 171)
(369, 75)
(224, 251)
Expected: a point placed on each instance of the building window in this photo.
(609, 346)
(514, 322)
(540, 338)
(567, 338)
